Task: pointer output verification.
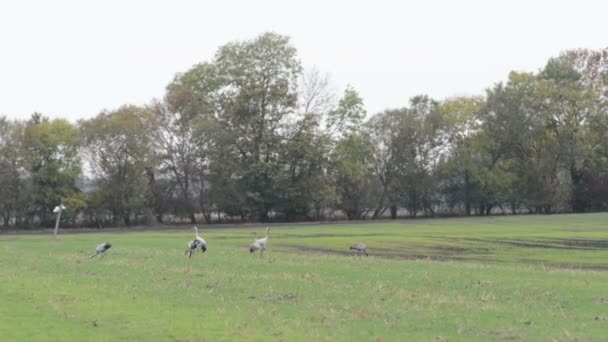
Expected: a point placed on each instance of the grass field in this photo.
(523, 278)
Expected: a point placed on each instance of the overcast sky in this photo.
(72, 59)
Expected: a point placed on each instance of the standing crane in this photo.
(260, 244)
(101, 249)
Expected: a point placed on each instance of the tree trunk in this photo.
(579, 203)
(207, 216)
(353, 214)
(380, 208)
(318, 212)
(263, 215)
(467, 194)
(488, 209)
(127, 219)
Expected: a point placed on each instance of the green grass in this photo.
(504, 278)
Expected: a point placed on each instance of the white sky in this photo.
(73, 58)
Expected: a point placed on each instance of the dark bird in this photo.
(101, 249)
(359, 248)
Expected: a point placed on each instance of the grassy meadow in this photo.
(524, 278)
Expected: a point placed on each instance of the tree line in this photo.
(251, 136)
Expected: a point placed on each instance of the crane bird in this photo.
(192, 246)
(197, 242)
(260, 244)
(359, 248)
(101, 249)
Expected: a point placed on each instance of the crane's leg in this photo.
(94, 255)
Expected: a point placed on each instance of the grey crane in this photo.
(260, 244)
(359, 248)
(200, 241)
(101, 249)
(197, 242)
(192, 246)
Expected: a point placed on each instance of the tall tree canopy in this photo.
(249, 135)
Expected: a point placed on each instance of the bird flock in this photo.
(258, 245)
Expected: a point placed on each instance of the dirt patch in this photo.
(554, 244)
(585, 244)
(600, 300)
(582, 267)
(314, 250)
(384, 253)
(453, 250)
(400, 254)
(353, 236)
(275, 297)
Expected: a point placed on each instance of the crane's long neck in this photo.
(196, 230)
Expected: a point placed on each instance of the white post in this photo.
(58, 209)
